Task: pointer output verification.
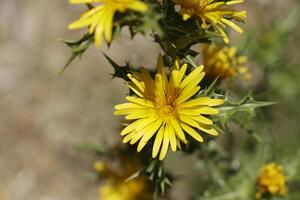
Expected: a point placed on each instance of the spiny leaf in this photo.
(210, 91)
(120, 71)
(162, 188)
(133, 176)
(190, 60)
(77, 48)
(247, 104)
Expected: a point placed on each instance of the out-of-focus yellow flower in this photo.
(99, 166)
(271, 181)
(114, 174)
(213, 12)
(132, 190)
(100, 18)
(224, 62)
(163, 107)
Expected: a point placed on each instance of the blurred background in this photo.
(44, 114)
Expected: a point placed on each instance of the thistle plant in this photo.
(182, 105)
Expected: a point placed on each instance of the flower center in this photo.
(165, 111)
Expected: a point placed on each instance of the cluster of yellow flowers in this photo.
(168, 106)
(271, 181)
(100, 19)
(224, 62)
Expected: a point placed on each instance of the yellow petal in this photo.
(191, 132)
(158, 141)
(128, 137)
(223, 34)
(138, 84)
(140, 113)
(145, 123)
(136, 90)
(181, 72)
(208, 111)
(138, 6)
(186, 17)
(109, 26)
(189, 112)
(130, 127)
(140, 101)
(173, 141)
(194, 74)
(178, 130)
(98, 36)
(165, 146)
(234, 2)
(210, 131)
(127, 105)
(202, 120)
(80, 24)
(130, 111)
(139, 134)
(148, 135)
(187, 93)
(201, 102)
(188, 120)
(232, 25)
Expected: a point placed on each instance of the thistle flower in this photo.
(132, 190)
(271, 181)
(224, 62)
(114, 173)
(213, 12)
(116, 188)
(100, 18)
(163, 107)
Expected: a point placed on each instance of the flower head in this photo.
(213, 12)
(132, 190)
(100, 18)
(163, 107)
(116, 171)
(224, 62)
(271, 181)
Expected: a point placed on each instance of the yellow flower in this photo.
(100, 18)
(99, 166)
(132, 190)
(271, 181)
(223, 62)
(163, 107)
(115, 172)
(213, 12)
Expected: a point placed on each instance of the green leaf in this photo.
(190, 60)
(210, 91)
(133, 176)
(248, 105)
(77, 48)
